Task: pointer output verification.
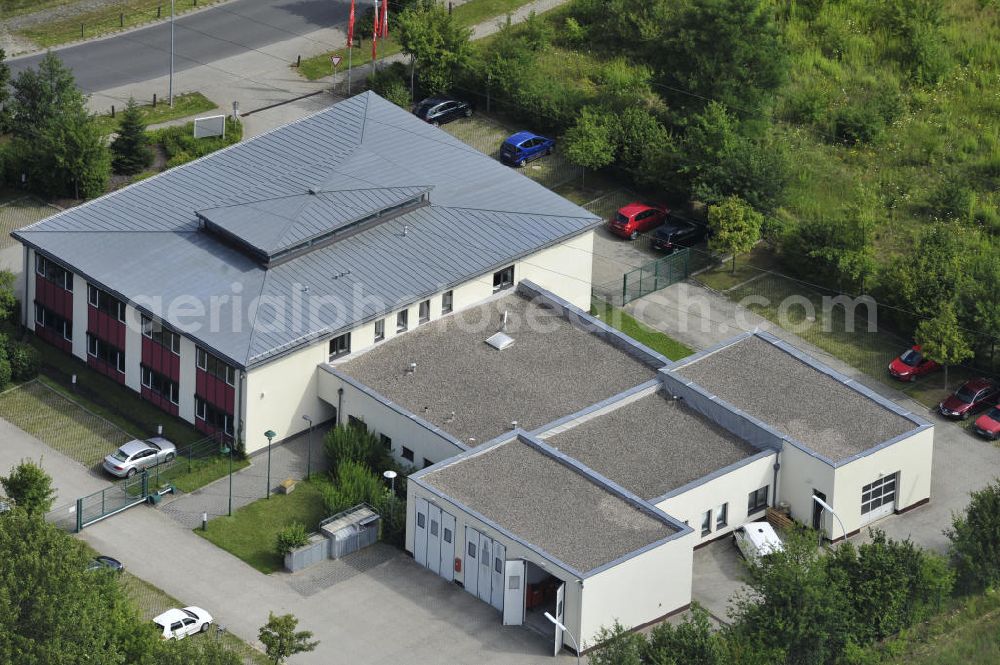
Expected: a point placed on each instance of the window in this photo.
(421, 520)
(427, 463)
(357, 423)
(386, 441)
(101, 350)
(407, 454)
(447, 302)
(878, 493)
(706, 523)
(402, 320)
(340, 346)
(53, 272)
(424, 312)
(159, 384)
(380, 330)
(213, 415)
(215, 367)
(472, 550)
(446, 535)
(757, 500)
(721, 516)
(498, 565)
(434, 528)
(104, 302)
(503, 279)
(155, 331)
(46, 318)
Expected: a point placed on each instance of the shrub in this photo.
(5, 371)
(24, 360)
(618, 646)
(391, 83)
(691, 641)
(355, 484)
(30, 487)
(392, 509)
(975, 541)
(291, 537)
(345, 442)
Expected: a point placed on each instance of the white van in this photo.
(756, 539)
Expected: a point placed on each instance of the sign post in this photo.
(335, 59)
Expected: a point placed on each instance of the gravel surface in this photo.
(553, 369)
(652, 446)
(549, 505)
(795, 398)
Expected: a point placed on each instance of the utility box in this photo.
(351, 530)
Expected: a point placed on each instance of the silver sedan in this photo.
(137, 455)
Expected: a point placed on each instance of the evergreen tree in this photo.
(130, 149)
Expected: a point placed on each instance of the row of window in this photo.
(161, 385)
(719, 516)
(105, 302)
(405, 453)
(213, 415)
(53, 272)
(46, 318)
(216, 367)
(112, 355)
(155, 331)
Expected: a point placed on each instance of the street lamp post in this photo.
(270, 435)
(825, 506)
(309, 447)
(558, 624)
(226, 448)
(170, 96)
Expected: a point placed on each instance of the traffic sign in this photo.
(335, 59)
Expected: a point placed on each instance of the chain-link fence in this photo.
(19, 213)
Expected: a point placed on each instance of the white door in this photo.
(878, 498)
(560, 617)
(485, 568)
(513, 593)
(420, 533)
(499, 559)
(471, 568)
(434, 538)
(447, 546)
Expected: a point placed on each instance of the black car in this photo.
(676, 233)
(439, 110)
(102, 562)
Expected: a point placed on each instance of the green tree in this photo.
(130, 149)
(735, 227)
(691, 641)
(838, 250)
(30, 488)
(942, 339)
(5, 115)
(438, 44)
(281, 640)
(617, 646)
(42, 95)
(8, 300)
(975, 541)
(590, 143)
(53, 610)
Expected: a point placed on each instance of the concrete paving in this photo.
(718, 575)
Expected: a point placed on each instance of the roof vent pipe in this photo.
(513, 424)
(406, 229)
(503, 326)
(411, 368)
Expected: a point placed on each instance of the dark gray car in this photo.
(137, 455)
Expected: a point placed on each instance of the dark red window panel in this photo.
(54, 297)
(161, 359)
(160, 401)
(104, 326)
(54, 338)
(105, 368)
(215, 391)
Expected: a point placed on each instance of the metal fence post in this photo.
(624, 288)
(145, 483)
(656, 275)
(79, 515)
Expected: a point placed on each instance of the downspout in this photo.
(774, 493)
(340, 404)
(27, 276)
(240, 443)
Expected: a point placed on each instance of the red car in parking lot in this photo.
(988, 424)
(974, 395)
(911, 365)
(636, 218)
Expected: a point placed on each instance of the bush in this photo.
(291, 537)
(30, 488)
(347, 443)
(24, 361)
(355, 484)
(975, 541)
(391, 83)
(5, 371)
(392, 509)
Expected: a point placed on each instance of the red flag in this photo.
(350, 27)
(375, 22)
(385, 19)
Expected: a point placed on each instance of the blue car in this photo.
(524, 147)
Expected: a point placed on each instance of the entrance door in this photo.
(471, 575)
(513, 593)
(420, 533)
(560, 617)
(434, 538)
(878, 498)
(485, 568)
(447, 570)
(818, 510)
(499, 559)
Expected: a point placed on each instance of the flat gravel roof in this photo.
(552, 369)
(652, 445)
(795, 398)
(548, 504)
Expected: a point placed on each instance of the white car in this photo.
(177, 624)
(756, 539)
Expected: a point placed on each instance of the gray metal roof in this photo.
(547, 503)
(144, 243)
(795, 395)
(652, 445)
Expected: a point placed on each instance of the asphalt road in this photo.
(200, 38)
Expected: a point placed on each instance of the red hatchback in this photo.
(988, 424)
(976, 394)
(636, 218)
(911, 364)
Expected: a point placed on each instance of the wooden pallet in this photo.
(779, 519)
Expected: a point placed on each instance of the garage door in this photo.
(434, 539)
(878, 498)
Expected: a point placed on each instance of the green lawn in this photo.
(471, 13)
(103, 19)
(641, 333)
(748, 266)
(250, 533)
(185, 105)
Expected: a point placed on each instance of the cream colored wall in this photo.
(565, 269)
(425, 443)
(911, 457)
(80, 317)
(279, 393)
(732, 488)
(801, 473)
(639, 590)
(514, 550)
(133, 350)
(186, 381)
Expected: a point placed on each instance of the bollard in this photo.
(112, 110)
(121, 20)
(204, 521)
(154, 100)
(298, 60)
(81, 31)
(159, 11)
(449, 8)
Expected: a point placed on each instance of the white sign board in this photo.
(214, 125)
(335, 59)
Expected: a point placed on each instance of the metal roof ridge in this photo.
(516, 212)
